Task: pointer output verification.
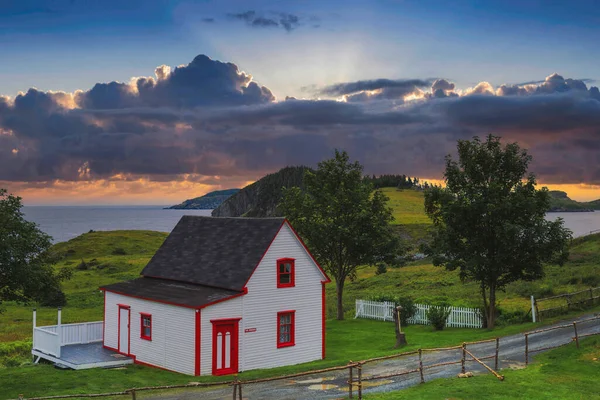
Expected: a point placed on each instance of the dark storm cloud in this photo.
(287, 21)
(402, 85)
(208, 118)
(203, 82)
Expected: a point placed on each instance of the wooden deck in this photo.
(84, 356)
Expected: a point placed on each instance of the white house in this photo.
(221, 296)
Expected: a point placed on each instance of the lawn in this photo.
(563, 373)
(346, 340)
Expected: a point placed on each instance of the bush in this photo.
(591, 280)
(52, 298)
(119, 251)
(381, 269)
(437, 316)
(11, 361)
(82, 266)
(511, 317)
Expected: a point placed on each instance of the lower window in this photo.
(285, 328)
(146, 326)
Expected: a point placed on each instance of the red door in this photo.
(225, 347)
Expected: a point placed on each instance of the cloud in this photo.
(407, 85)
(209, 118)
(288, 22)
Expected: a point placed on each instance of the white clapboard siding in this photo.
(460, 317)
(264, 300)
(173, 332)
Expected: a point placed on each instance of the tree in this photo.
(25, 258)
(489, 219)
(344, 222)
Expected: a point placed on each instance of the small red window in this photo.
(285, 328)
(285, 272)
(146, 326)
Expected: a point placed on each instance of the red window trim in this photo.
(142, 336)
(292, 273)
(292, 341)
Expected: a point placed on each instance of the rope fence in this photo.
(355, 369)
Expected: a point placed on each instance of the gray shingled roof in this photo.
(180, 293)
(219, 252)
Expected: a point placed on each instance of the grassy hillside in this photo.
(410, 220)
(108, 257)
(426, 283)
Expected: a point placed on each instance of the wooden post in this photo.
(234, 390)
(532, 308)
(591, 296)
(34, 325)
(576, 336)
(350, 383)
(568, 301)
(359, 381)
(537, 312)
(59, 330)
(497, 351)
(421, 365)
(132, 394)
(239, 391)
(526, 349)
(462, 360)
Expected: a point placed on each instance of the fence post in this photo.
(591, 296)
(526, 349)
(533, 308)
(421, 365)
(235, 386)
(359, 381)
(59, 331)
(568, 301)
(497, 351)
(350, 383)
(462, 359)
(132, 394)
(576, 336)
(239, 390)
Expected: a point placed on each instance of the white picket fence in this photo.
(460, 317)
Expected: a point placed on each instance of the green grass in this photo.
(426, 283)
(84, 301)
(407, 205)
(346, 340)
(563, 373)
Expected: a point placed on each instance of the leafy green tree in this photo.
(25, 258)
(343, 221)
(489, 219)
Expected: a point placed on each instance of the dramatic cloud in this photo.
(208, 122)
(289, 22)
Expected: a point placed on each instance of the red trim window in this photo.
(285, 328)
(285, 272)
(146, 326)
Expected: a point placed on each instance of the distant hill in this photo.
(560, 202)
(261, 198)
(209, 201)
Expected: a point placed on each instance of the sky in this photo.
(154, 102)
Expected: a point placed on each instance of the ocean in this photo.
(66, 222)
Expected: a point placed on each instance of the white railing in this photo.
(460, 317)
(46, 341)
(85, 332)
(49, 339)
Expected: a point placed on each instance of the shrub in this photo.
(11, 361)
(119, 251)
(591, 280)
(53, 298)
(511, 317)
(82, 266)
(381, 269)
(437, 316)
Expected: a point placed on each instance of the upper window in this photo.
(146, 326)
(285, 272)
(285, 328)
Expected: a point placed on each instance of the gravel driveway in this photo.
(333, 385)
